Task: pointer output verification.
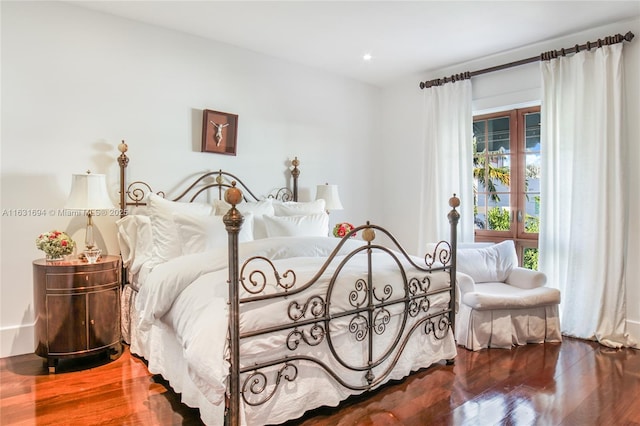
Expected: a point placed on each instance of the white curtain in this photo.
(583, 218)
(447, 164)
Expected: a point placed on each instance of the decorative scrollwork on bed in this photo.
(399, 305)
(256, 384)
(283, 194)
(315, 305)
(440, 328)
(312, 337)
(441, 254)
(417, 287)
(256, 281)
(137, 192)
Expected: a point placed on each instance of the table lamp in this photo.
(89, 193)
(329, 193)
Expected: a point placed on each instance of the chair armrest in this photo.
(526, 278)
(466, 284)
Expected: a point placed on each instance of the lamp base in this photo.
(90, 255)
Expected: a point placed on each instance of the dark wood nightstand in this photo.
(77, 307)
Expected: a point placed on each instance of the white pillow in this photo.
(135, 239)
(166, 243)
(488, 264)
(200, 233)
(259, 209)
(315, 225)
(295, 208)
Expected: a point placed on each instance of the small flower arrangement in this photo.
(55, 244)
(342, 229)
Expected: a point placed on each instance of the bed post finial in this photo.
(454, 201)
(453, 215)
(233, 219)
(123, 147)
(233, 195)
(368, 234)
(233, 222)
(295, 173)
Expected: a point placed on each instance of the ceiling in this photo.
(403, 37)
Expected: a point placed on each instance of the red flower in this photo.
(342, 229)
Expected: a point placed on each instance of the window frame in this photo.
(517, 180)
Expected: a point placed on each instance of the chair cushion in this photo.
(488, 264)
(504, 296)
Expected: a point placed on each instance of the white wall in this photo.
(75, 82)
(403, 111)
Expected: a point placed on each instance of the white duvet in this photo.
(189, 295)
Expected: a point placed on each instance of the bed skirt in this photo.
(127, 303)
(506, 328)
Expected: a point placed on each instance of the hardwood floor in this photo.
(573, 383)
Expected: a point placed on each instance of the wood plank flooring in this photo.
(573, 383)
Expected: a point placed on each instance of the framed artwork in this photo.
(219, 132)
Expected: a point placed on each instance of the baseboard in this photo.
(633, 328)
(17, 340)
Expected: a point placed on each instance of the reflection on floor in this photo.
(573, 383)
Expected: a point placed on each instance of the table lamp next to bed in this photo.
(88, 194)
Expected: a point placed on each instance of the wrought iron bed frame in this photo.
(309, 320)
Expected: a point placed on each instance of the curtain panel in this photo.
(447, 162)
(583, 226)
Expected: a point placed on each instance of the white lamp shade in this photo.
(329, 193)
(88, 192)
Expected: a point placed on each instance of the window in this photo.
(506, 173)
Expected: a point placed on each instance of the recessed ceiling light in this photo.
(367, 57)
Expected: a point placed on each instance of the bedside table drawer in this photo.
(81, 279)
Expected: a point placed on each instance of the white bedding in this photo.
(185, 299)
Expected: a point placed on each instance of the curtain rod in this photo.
(545, 56)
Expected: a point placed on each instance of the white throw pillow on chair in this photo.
(488, 264)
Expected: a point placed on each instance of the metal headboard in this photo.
(134, 193)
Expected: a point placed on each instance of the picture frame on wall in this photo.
(219, 132)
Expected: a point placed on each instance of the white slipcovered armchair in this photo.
(502, 304)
